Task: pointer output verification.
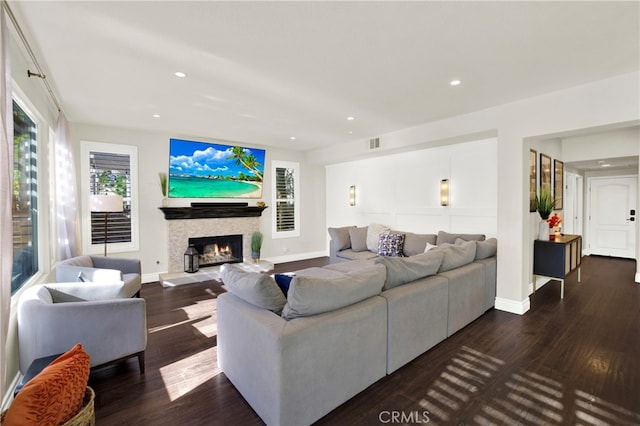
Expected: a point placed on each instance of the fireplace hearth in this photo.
(217, 250)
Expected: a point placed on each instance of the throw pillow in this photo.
(55, 395)
(373, 234)
(458, 255)
(358, 237)
(416, 243)
(314, 295)
(283, 281)
(428, 247)
(258, 289)
(445, 237)
(340, 237)
(391, 245)
(61, 297)
(486, 249)
(405, 270)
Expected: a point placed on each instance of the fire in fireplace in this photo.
(218, 250)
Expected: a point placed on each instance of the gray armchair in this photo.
(99, 269)
(54, 317)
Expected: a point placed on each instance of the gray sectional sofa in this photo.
(343, 327)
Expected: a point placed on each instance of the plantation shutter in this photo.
(285, 199)
(111, 173)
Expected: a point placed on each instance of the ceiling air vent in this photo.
(374, 143)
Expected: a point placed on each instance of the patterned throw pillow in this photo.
(55, 395)
(390, 245)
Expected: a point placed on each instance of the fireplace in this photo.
(219, 249)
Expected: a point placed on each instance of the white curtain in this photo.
(6, 198)
(66, 193)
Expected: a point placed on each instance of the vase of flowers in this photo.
(256, 245)
(545, 204)
(554, 226)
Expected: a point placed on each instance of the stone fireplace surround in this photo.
(180, 230)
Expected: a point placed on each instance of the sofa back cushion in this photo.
(403, 270)
(340, 237)
(456, 255)
(447, 238)
(374, 231)
(78, 261)
(358, 237)
(416, 243)
(486, 249)
(258, 289)
(311, 295)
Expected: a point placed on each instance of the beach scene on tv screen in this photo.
(209, 170)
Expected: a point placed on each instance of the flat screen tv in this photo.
(211, 170)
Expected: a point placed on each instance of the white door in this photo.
(612, 215)
(569, 203)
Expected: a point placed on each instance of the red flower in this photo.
(554, 221)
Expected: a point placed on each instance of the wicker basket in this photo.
(85, 417)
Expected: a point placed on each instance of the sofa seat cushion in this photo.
(403, 270)
(456, 255)
(354, 265)
(311, 295)
(258, 289)
(350, 254)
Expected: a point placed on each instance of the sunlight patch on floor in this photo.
(596, 411)
(191, 371)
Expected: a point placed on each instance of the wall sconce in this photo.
(444, 192)
(352, 195)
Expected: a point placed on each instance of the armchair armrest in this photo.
(68, 292)
(69, 273)
(127, 266)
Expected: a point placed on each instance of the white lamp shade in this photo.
(105, 203)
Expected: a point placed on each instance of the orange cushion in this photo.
(55, 395)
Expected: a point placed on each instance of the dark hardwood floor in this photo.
(565, 362)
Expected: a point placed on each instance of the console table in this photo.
(557, 258)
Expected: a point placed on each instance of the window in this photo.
(25, 201)
(110, 169)
(286, 192)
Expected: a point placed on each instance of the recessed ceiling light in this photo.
(156, 115)
(350, 132)
(605, 165)
(351, 118)
(180, 74)
(455, 82)
(293, 138)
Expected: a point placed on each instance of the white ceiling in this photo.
(262, 72)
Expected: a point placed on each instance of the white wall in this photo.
(403, 190)
(153, 157)
(612, 144)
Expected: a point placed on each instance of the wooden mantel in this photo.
(212, 210)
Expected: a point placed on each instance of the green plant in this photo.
(256, 241)
(545, 203)
(163, 183)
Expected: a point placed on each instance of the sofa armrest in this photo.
(127, 266)
(70, 273)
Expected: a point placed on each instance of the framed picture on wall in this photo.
(558, 182)
(533, 179)
(545, 173)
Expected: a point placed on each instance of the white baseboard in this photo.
(149, 278)
(297, 256)
(637, 279)
(512, 306)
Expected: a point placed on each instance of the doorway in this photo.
(612, 208)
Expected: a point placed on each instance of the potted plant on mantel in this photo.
(163, 188)
(545, 205)
(256, 245)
